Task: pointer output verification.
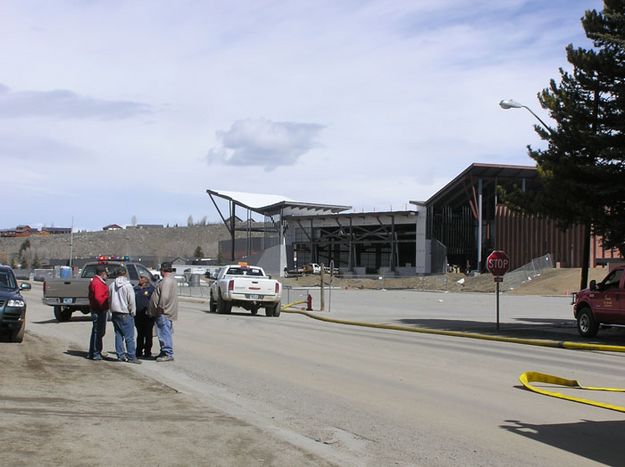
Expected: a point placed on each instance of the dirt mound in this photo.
(438, 282)
(557, 282)
(550, 282)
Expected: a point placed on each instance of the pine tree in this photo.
(582, 171)
(198, 252)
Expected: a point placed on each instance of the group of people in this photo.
(143, 306)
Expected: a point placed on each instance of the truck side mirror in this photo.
(25, 286)
(593, 285)
(156, 277)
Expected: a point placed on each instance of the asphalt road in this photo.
(358, 396)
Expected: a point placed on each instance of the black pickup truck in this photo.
(69, 295)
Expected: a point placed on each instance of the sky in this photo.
(113, 111)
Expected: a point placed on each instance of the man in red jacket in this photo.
(99, 303)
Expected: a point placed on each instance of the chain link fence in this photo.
(527, 272)
(290, 294)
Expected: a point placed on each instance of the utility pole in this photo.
(71, 243)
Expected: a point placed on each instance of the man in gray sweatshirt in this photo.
(123, 308)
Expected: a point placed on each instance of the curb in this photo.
(470, 335)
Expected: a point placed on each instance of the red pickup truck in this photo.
(601, 303)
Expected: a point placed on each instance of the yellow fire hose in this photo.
(526, 378)
(533, 377)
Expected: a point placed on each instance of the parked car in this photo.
(311, 268)
(601, 303)
(12, 304)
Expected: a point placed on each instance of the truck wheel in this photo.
(62, 315)
(276, 310)
(223, 307)
(587, 325)
(18, 334)
(254, 310)
(212, 304)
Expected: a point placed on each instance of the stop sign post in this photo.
(498, 264)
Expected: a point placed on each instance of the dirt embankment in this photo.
(550, 282)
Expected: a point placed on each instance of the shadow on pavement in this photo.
(76, 353)
(601, 442)
(261, 313)
(54, 320)
(524, 328)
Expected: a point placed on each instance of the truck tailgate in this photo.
(254, 288)
(72, 288)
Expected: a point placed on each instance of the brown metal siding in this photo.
(524, 237)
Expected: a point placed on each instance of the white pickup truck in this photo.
(247, 287)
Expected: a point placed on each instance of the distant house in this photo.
(7, 233)
(112, 227)
(24, 231)
(56, 230)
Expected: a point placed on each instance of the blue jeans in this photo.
(124, 325)
(164, 331)
(98, 330)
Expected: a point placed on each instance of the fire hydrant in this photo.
(309, 303)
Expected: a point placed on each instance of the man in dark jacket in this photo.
(99, 304)
(143, 322)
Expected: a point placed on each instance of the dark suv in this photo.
(12, 305)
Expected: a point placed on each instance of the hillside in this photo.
(156, 242)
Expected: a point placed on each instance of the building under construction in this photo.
(457, 227)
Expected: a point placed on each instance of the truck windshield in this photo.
(244, 271)
(112, 270)
(7, 280)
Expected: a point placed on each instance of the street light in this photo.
(512, 104)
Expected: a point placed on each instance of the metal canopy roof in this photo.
(458, 186)
(270, 205)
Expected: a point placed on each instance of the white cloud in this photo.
(261, 142)
(64, 104)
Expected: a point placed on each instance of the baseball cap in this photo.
(167, 266)
(100, 268)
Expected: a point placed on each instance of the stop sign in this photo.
(498, 263)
